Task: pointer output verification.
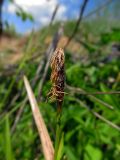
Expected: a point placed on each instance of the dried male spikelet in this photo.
(57, 77)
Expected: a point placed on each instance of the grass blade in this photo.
(60, 149)
(47, 146)
(8, 148)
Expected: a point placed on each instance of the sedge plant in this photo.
(57, 92)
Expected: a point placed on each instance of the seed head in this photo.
(57, 76)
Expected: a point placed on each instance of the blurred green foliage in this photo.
(114, 35)
(85, 136)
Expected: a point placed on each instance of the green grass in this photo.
(85, 136)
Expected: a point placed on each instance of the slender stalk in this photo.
(58, 134)
(57, 91)
(91, 97)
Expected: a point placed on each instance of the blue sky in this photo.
(42, 11)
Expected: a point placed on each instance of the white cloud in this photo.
(40, 9)
(61, 13)
(34, 2)
(11, 8)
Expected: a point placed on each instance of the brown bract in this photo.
(57, 76)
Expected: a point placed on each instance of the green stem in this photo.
(58, 133)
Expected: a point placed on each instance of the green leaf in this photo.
(24, 15)
(8, 147)
(92, 153)
(70, 154)
(57, 141)
(60, 149)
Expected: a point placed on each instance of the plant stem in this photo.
(58, 131)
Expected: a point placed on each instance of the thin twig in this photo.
(85, 17)
(99, 93)
(19, 113)
(98, 115)
(54, 14)
(79, 90)
(82, 9)
(1, 22)
(106, 121)
(98, 9)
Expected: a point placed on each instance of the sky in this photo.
(42, 10)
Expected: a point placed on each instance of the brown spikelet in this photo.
(57, 77)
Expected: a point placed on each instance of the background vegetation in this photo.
(92, 64)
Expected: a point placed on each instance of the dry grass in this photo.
(47, 146)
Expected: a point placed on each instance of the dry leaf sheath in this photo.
(57, 77)
(47, 146)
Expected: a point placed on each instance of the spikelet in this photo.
(57, 77)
